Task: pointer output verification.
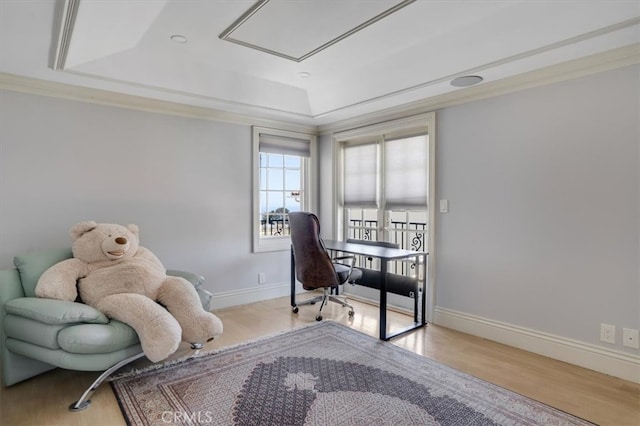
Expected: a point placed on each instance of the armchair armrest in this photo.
(194, 279)
(54, 312)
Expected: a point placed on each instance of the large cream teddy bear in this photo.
(113, 273)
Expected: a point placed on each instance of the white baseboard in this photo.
(615, 363)
(612, 362)
(250, 295)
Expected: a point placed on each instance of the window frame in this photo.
(308, 175)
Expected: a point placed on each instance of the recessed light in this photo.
(304, 74)
(179, 38)
(466, 81)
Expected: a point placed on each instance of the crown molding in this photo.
(490, 65)
(17, 83)
(576, 68)
(593, 64)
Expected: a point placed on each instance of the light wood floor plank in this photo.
(602, 399)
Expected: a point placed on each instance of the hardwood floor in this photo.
(601, 399)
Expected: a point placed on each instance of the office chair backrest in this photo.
(314, 268)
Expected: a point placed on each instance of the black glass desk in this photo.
(385, 254)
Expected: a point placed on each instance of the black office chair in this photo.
(314, 267)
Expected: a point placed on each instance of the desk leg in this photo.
(293, 279)
(383, 304)
(425, 277)
(383, 299)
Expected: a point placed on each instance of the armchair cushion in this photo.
(97, 338)
(50, 311)
(32, 265)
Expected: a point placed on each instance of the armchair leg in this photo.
(84, 400)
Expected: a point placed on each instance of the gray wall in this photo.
(543, 223)
(185, 182)
(543, 188)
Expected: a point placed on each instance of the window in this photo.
(385, 188)
(282, 184)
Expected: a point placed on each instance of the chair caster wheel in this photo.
(319, 318)
(197, 346)
(312, 303)
(295, 310)
(351, 313)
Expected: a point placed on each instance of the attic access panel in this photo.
(296, 30)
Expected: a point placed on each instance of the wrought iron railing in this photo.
(408, 236)
(274, 227)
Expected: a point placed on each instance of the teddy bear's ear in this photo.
(81, 228)
(134, 229)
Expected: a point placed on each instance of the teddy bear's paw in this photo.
(157, 350)
(202, 328)
(160, 342)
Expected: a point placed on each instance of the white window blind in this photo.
(284, 145)
(406, 172)
(360, 175)
(284, 179)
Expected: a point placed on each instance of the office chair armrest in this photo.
(353, 258)
(351, 265)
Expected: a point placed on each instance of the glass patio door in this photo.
(385, 192)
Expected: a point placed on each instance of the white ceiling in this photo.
(364, 55)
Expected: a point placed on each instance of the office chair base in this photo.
(324, 299)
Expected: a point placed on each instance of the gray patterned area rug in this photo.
(324, 374)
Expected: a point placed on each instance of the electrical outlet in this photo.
(630, 338)
(262, 278)
(608, 333)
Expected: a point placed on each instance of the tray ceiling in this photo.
(310, 62)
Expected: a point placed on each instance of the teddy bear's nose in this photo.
(121, 240)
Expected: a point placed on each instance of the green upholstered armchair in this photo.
(38, 335)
